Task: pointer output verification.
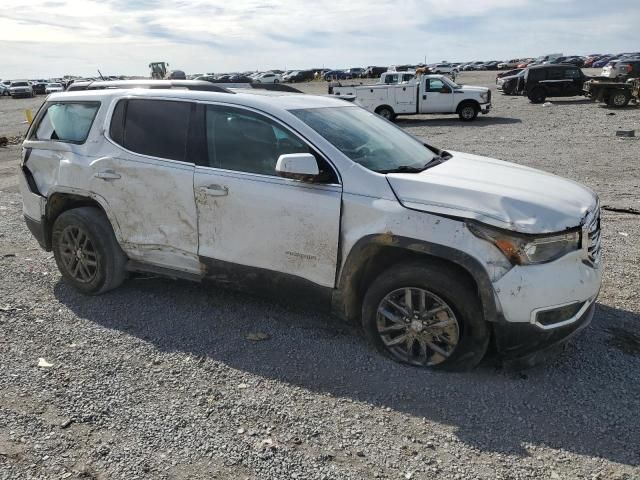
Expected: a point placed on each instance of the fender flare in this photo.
(346, 278)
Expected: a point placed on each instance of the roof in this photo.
(260, 99)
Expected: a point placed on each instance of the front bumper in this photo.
(523, 345)
(485, 108)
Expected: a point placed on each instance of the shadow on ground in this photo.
(481, 121)
(572, 403)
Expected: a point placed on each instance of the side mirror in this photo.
(298, 166)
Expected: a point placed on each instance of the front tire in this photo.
(468, 112)
(427, 316)
(87, 252)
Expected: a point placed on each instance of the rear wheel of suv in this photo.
(537, 95)
(87, 252)
(468, 111)
(619, 99)
(426, 316)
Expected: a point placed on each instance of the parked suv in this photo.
(622, 69)
(542, 81)
(20, 88)
(435, 253)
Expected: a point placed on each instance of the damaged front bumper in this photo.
(485, 108)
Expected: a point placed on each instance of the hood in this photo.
(497, 193)
(469, 89)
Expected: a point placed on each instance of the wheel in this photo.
(537, 95)
(87, 252)
(468, 112)
(386, 112)
(619, 99)
(427, 316)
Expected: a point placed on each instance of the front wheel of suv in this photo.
(427, 316)
(87, 252)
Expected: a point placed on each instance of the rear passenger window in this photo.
(157, 128)
(66, 121)
(571, 73)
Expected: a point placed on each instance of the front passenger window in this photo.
(245, 141)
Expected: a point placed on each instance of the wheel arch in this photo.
(373, 254)
(59, 202)
(467, 101)
(380, 107)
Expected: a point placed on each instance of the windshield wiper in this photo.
(437, 160)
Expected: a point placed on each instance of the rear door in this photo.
(147, 182)
(248, 216)
(574, 80)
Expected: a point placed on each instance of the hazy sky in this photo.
(57, 37)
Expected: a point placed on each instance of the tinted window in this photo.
(67, 121)
(248, 142)
(157, 128)
(571, 73)
(435, 85)
(20, 84)
(555, 74)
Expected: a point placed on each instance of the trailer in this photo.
(614, 93)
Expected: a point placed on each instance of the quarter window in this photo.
(67, 121)
(244, 141)
(157, 128)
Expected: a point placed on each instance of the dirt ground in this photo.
(158, 379)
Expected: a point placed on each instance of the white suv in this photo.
(434, 252)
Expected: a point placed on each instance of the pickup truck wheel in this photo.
(619, 99)
(87, 252)
(537, 95)
(468, 112)
(426, 316)
(386, 112)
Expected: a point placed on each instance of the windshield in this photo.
(19, 84)
(451, 83)
(55, 85)
(366, 138)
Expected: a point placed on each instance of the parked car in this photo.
(601, 62)
(268, 77)
(53, 87)
(509, 64)
(422, 95)
(299, 76)
(4, 90)
(621, 69)
(473, 66)
(508, 73)
(442, 68)
(39, 86)
(512, 84)
(355, 72)
(525, 62)
(543, 81)
(374, 72)
(20, 88)
(436, 254)
(492, 65)
(337, 75)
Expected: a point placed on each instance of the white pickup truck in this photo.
(425, 94)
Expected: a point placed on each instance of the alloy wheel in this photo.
(417, 327)
(78, 254)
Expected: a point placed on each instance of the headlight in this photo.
(485, 97)
(523, 249)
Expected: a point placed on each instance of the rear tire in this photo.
(87, 252)
(441, 328)
(619, 99)
(537, 95)
(468, 111)
(386, 113)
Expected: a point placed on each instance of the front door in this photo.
(437, 97)
(248, 216)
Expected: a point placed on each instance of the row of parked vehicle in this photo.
(616, 86)
(29, 88)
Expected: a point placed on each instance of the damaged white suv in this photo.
(434, 252)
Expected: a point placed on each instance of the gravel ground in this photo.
(158, 379)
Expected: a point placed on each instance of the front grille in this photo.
(594, 250)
